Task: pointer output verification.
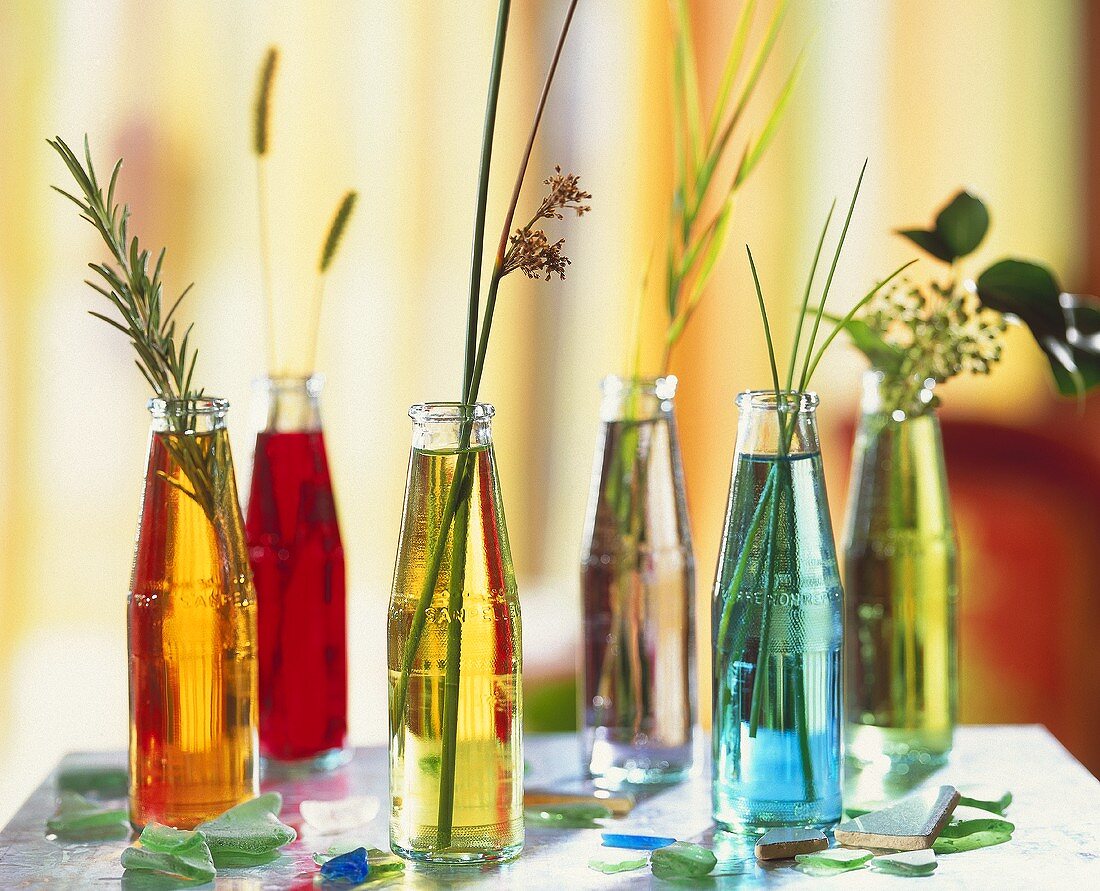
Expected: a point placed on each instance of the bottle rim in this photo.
(789, 402)
(311, 383)
(450, 412)
(663, 387)
(160, 407)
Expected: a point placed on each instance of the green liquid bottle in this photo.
(456, 753)
(901, 582)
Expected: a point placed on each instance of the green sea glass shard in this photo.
(833, 861)
(974, 820)
(682, 860)
(981, 839)
(78, 819)
(906, 863)
(567, 815)
(252, 828)
(613, 866)
(173, 852)
(986, 798)
(106, 782)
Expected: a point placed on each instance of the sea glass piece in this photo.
(911, 824)
(968, 820)
(251, 828)
(636, 842)
(382, 863)
(972, 842)
(174, 852)
(106, 782)
(350, 868)
(782, 844)
(78, 819)
(906, 863)
(340, 815)
(833, 861)
(567, 816)
(682, 860)
(611, 867)
(986, 798)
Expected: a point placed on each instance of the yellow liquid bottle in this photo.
(456, 754)
(901, 587)
(191, 627)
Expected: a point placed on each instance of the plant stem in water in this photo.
(445, 816)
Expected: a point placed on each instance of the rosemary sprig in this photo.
(166, 365)
(261, 143)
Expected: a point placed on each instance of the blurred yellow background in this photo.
(387, 98)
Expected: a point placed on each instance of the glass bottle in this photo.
(298, 563)
(191, 625)
(637, 685)
(777, 627)
(902, 582)
(456, 751)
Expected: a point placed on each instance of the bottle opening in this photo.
(450, 412)
(661, 387)
(788, 401)
(311, 384)
(179, 408)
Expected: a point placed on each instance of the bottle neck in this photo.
(188, 416)
(773, 427)
(636, 398)
(451, 426)
(900, 399)
(289, 404)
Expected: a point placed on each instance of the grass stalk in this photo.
(488, 131)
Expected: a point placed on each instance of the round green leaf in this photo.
(962, 224)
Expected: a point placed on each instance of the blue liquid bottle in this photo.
(777, 628)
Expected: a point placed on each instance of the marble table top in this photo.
(1056, 810)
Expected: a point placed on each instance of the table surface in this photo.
(1056, 810)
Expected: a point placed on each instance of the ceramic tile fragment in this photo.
(911, 824)
(339, 815)
(619, 803)
(636, 842)
(682, 860)
(783, 844)
(906, 863)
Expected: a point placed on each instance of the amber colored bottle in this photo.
(191, 626)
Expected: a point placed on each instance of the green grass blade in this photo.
(806, 296)
(767, 327)
(757, 151)
(804, 377)
(842, 322)
(688, 76)
(734, 58)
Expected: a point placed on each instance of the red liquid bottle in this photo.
(298, 564)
